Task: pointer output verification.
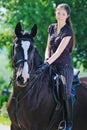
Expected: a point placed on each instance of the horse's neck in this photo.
(16, 89)
(37, 59)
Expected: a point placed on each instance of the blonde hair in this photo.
(68, 20)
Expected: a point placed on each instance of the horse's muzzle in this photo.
(20, 79)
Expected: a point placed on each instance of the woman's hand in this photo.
(43, 67)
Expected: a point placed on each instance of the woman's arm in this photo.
(47, 52)
(60, 49)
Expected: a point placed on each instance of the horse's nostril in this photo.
(20, 79)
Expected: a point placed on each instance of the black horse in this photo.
(80, 106)
(32, 106)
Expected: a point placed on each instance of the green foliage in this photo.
(5, 120)
(29, 13)
(2, 83)
(42, 12)
(5, 72)
(3, 98)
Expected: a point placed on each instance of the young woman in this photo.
(58, 52)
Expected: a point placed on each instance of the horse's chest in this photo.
(14, 111)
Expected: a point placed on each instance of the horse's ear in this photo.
(33, 30)
(18, 29)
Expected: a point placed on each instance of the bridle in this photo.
(24, 60)
(20, 61)
(30, 61)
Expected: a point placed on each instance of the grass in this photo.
(5, 120)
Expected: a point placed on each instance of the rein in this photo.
(17, 100)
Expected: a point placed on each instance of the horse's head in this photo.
(24, 53)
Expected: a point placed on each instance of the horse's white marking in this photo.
(24, 71)
(25, 46)
(19, 72)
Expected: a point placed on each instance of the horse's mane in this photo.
(39, 80)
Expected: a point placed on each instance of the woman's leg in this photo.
(67, 72)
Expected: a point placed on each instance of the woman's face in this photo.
(61, 15)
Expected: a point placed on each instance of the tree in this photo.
(42, 12)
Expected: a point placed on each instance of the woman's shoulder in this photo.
(68, 30)
(52, 25)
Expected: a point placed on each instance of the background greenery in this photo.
(41, 12)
